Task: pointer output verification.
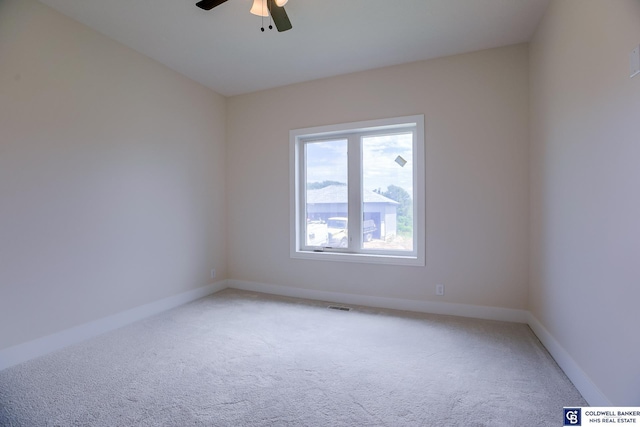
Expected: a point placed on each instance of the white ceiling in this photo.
(225, 50)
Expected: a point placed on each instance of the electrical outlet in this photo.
(439, 289)
(213, 273)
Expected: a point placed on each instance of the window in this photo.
(357, 192)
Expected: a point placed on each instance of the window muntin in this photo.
(357, 191)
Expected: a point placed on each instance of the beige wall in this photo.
(113, 191)
(476, 114)
(585, 164)
(112, 180)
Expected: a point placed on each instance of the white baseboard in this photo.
(22, 352)
(464, 310)
(583, 383)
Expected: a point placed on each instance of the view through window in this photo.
(357, 189)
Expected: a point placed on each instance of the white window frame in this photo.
(298, 137)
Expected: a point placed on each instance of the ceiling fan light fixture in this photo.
(260, 8)
(281, 3)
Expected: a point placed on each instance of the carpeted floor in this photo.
(245, 359)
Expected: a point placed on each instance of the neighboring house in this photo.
(331, 201)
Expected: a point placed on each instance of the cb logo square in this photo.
(572, 417)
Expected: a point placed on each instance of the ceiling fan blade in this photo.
(209, 4)
(280, 17)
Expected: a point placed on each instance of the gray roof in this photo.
(338, 194)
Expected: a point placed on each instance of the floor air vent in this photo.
(337, 307)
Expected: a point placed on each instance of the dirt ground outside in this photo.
(394, 243)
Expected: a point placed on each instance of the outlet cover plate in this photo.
(634, 61)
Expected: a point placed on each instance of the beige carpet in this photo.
(245, 359)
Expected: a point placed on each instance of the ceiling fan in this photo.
(275, 7)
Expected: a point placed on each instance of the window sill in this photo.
(363, 258)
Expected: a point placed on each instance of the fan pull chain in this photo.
(270, 18)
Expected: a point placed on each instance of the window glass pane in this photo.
(326, 193)
(387, 185)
